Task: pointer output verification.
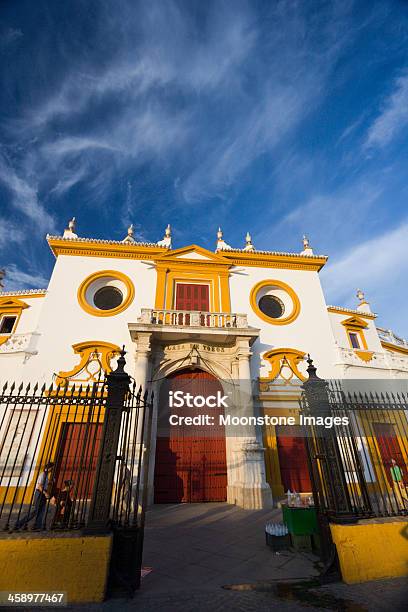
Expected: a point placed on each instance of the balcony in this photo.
(193, 318)
(387, 335)
(379, 361)
(171, 324)
(21, 343)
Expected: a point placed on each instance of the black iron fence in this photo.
(74, 457)
(359, 465)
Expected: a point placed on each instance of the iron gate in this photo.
(359, 465)
(87, 448)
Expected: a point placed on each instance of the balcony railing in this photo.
(386, 361)
(387, 335)
(21, 343)
(191, 318)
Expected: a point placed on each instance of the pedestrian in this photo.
(39, 504)
(400, 490)
(63, 502)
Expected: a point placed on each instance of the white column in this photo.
(252, 491)
(143, 379)
(142, 358)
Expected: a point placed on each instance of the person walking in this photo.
(63, 502)
(400, 490)
(39, 505)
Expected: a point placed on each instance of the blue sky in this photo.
(280, 118)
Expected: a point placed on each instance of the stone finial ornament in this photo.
(307, 249)
(248, 243)
(69, 232)
(221, 244)
(363, 304)
(166, 242)
(360, 295)
(129, 238)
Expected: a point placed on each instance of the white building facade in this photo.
(243, 317)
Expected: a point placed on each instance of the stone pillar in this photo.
(250, 488)
(143, 379)
(142, 358)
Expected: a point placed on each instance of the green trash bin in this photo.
(300, 521)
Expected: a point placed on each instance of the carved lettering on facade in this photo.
(198, 347)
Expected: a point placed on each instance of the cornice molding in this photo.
(274, 259)
(27, 293)
(395, 348)
(348, 311)
(90, 247)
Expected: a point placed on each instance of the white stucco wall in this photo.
(309, 332)
(63, 322)
(60, 321)
(340, 333)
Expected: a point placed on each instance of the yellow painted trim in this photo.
(295, 301)
(274, 260)
(23, 296)
(355, 322)
(85, 350)
(225, 292)
(280, 357)
(101, 274)
(160, 288)
(76, 564)
(361, 551)
(348, 312)
(394, 348)
(169, 273)
(91, 248)
(11, 306)
(11, 303)
(173, 256)
(355, 325)
(365, 355)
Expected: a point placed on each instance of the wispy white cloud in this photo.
(24, 196)
(10, 233)
(330, 219)
(16, 279)
(68, 179)
(393, 117)
(161, 84)
(378, 266)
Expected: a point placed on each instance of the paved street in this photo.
(196, 550)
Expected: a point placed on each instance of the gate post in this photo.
(338, 504)
(118, 385)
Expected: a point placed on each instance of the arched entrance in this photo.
(190, 461)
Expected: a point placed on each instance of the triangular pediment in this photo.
(11, 303)
(354, 322)
(193, 253)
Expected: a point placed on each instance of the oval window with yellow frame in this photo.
(275, 302)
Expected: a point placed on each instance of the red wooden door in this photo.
(190, 460)
(77, 456)
(293, 461)
(389, 448)
(192, 297)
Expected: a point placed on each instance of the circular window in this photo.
(275, 302)
(107, 298)
(271, 306)
(106, 293)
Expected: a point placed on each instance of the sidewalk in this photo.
(196, 550)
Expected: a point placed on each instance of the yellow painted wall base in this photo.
(75, 564)
(371, 550)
